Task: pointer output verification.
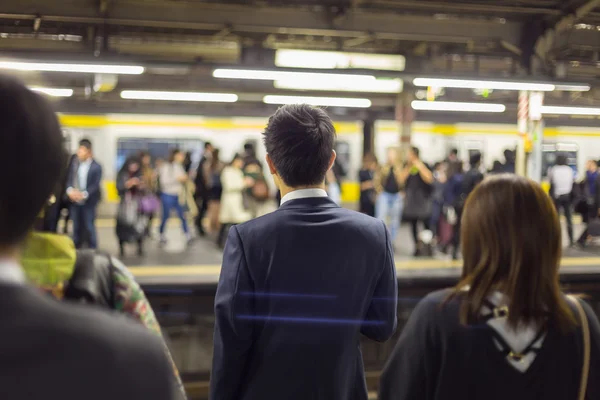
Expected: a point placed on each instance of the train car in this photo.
(115, 136)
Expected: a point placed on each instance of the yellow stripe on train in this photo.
(350, 192)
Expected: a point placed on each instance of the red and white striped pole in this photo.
(522, 127)
(523, 112)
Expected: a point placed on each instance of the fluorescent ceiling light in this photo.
(288, 75)
(53, 91)
(338, 60)
(478, 84)
(376, 86)
(319, 101)
(570, 110)
(573, 87)
(456, 106)
(85, 68)
(179, 96)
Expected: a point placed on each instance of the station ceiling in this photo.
(182, 41)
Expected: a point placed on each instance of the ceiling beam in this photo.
(284, 20)
(545, 43)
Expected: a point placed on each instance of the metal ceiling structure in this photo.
(182, 41)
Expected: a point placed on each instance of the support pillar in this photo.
(523, 127)
(534, 164)
(404, 117)
(535, 136)
(368, 136)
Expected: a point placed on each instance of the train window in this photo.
(551, 150)
(158, 148)
(342, 150)
(67, 140)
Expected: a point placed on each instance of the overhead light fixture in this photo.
(54, 92)
(479, 84)
(338, 60)
(319, 101)
(81, 68)
(573, 87)
(288, 75)
(457, 106)
(179, 96)
(375, 86)
(570, 110)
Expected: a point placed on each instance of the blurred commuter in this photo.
(418, 201)
(591, 199)
(132, 223)
(62, 205)
(150, 203)
(257, 194)
(451, 160)
(509, 166)
(388, 183)
(84, 181)
(496, 168)
(368, 195)
(202, 182)
(506, 326)
(216, 190)
(561, 178)
(298, 286)
(440, 172)
(49, 349)
(172, 178)
(232, 210)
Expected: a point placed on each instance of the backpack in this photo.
(92, 280)
(260, 190)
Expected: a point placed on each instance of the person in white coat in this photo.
(233, 210)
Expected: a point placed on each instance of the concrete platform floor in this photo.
(203, 250)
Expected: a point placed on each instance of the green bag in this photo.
(48, 260)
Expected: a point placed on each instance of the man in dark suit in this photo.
(300, 285)
(84, 181)
(50, 349)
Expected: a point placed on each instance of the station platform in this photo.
(200, 261)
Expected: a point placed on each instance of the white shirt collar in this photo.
(303, 194)
(11, 272)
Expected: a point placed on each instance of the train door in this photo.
(68, 141)
(472, 147)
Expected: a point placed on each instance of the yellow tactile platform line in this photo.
(215, 269)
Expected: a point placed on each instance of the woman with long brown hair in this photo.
(506, 331)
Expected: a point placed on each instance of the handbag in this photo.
(585, 329)
(149, 204)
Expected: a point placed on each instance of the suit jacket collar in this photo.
(308, 202)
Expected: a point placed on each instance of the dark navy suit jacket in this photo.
(94, 179)
(297, 289)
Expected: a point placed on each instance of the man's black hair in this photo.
(454, 151)
(86, 143)
(415, 151)
(561, 159)
(475, 158)
(207, 145)
(30, 131)
(299, 139)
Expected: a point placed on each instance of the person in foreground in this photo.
(506, 331)
(51, 349)
(298, 286)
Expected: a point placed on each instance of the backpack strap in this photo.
(92, 280)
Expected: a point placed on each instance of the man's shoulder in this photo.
(346, 218)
